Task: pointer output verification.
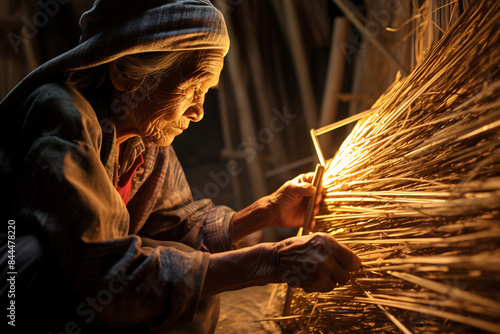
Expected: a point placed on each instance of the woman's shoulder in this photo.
(58, 107)
(57, 95)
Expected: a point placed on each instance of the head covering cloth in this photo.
(115, 28)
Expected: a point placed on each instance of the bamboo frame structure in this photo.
(317, 180)
(354, 16)
(415, 191)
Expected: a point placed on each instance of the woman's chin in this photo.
(164, 140)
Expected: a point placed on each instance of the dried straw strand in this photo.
(414, 190)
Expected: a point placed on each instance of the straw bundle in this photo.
(415, 191)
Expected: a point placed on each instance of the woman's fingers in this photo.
(316, 262)
(346, 258)
(340, 274)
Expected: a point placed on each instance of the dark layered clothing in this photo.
(138, 261)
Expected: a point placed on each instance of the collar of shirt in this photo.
(109, 150)
(133, 148)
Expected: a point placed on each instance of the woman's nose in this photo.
(195, 113)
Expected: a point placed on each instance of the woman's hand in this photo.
(285, 207)
(316, 262)
(288, 204)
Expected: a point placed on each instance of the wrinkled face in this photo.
(178, 100)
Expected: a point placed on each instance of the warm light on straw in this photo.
(414, 191)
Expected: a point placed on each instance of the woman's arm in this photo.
(285, 207)
(315, 263)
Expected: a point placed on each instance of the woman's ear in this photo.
(120, 81)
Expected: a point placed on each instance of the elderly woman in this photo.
(107, 235)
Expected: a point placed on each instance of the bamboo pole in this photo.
(301, 64)
(334, 80)
(290, 166)
(245, 117)
(351, 13)
(260, 84)
(346, 121)
(228, 141)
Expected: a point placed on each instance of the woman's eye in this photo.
(189, 92)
